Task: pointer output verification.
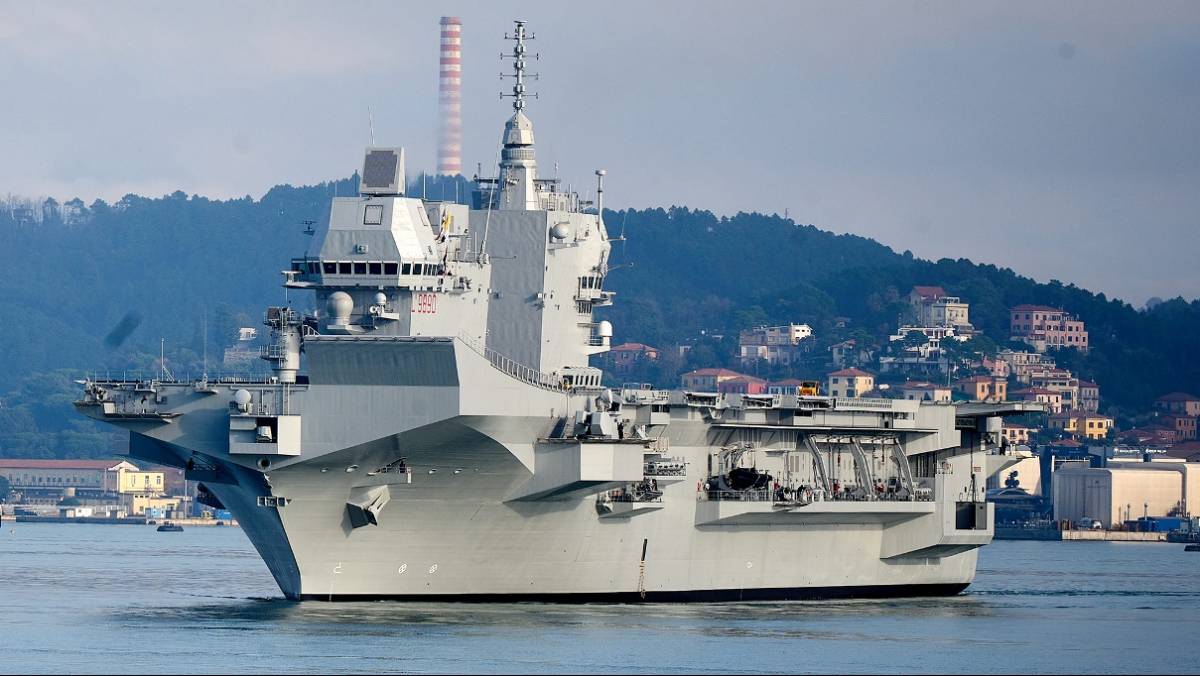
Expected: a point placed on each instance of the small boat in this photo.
(1192, 548)
(168, 527)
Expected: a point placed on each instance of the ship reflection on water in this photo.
(715, 618)
(123, 598)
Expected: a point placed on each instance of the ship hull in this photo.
(691, 596)
(453, 532)
(494, 503)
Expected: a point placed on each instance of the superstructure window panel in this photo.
(343, 267)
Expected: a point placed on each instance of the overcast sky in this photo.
(1060, 139)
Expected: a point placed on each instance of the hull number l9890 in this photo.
(425, 304)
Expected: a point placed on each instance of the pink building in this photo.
(1043, 327)
(707, 380)
(626, 355)
(742, 385)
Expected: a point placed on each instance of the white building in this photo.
(932, 307)
(1126, 490)
(773, 344)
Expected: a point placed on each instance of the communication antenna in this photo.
(518, 75)
(481, 255)
(600, 173)
(164, 374)
(205, 332)
(371, 125)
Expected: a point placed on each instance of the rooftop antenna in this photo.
(518, 75)
(371, 125)
(600, 173)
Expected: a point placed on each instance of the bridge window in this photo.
(360, 268)
(406, 269)
(343, 268)
(376, 268)
(389, 268)
(330, 268)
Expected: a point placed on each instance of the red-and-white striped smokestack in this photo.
(450, 97)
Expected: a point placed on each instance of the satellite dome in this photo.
(241, 398)
(518, 131)
(604, 329)
(561, 231)
(340, 306)
(381, 298)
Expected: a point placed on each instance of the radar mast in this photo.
(518, 163)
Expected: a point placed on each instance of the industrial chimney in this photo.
(450, 97)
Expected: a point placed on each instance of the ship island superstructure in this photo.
(434, 429)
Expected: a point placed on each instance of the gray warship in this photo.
(433, 429)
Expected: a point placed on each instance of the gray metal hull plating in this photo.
(469, 520)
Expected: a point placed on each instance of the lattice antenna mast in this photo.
(518, 75)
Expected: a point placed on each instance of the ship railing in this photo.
(272, 351)
(805, 498)
(643, 394)
(157, 378)
(670, 468)
(743, 496)
(863, 402)
(624, 496)
(514, 368)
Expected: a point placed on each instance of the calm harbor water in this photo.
(90, 598)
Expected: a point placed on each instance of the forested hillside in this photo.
(166, 267)
(690, 270)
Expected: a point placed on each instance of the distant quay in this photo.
(126, 520)
(1003, 533)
